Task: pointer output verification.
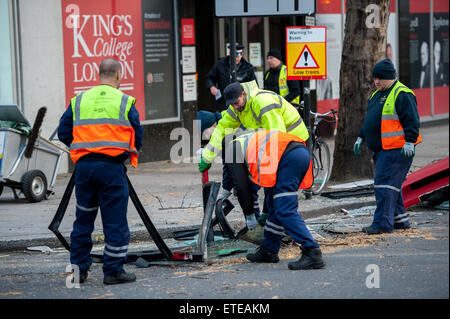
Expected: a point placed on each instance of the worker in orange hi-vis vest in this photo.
(102, 129)
(280, 162)
(391, 130)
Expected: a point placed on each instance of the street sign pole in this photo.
(232, 31)
(307, 108)
(306, 60)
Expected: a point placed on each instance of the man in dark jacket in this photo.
(220, 76)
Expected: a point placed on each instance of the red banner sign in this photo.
(95, 30)
(187, 31)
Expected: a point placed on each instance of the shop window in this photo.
(440, 56)
(256, 54)
(140, 34)
(6, 68)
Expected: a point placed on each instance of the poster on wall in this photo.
(391, 42)
(419, 50)
(255, 54)
(440, 48)
(189, 88)
(159, 56)
(328, 89)
(188, 58)
(187, 31)
(95, 30)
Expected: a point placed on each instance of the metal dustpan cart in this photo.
(34, 176)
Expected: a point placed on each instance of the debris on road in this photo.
(355, 184)
(43, 249)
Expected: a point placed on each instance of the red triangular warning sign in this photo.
(306, 60)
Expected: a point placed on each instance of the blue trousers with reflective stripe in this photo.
(391, 168)
(100, 184)
(282, 203)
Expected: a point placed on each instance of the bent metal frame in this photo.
(210, 192)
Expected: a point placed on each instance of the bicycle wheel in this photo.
(321, 166)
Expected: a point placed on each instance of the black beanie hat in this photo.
(275, 53)
(384, 70)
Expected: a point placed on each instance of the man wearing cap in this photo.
(252, 108)
(391, 131)
(220, 76)
(275, 78)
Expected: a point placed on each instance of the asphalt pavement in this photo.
(406, 264)
(410, 263)
(172, 196)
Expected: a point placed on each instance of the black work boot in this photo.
(400, 226)
(119, 278)
(311, 259)
(83, 276)
(82, 279)
(372, 230)
(262, 255)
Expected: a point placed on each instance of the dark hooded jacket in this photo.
(220, 76)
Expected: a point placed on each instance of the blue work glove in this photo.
(357, 146)
(203, 165)
(251, 221)
(408, 150)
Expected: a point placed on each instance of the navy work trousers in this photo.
(391, 168)
(282, 203)
(100, 184)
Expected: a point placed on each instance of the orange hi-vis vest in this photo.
(392, 134)
(101, 125)
(263, 150)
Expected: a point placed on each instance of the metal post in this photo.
(307, 108)
(307, 99)
(232, 37)
(431, 54)
(177, 61)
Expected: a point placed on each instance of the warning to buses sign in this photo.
(306, 53)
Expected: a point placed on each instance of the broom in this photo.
(35, 131)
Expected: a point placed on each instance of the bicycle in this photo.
(320, 152)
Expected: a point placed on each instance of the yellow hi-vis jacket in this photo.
(264, 109)
(282, 84)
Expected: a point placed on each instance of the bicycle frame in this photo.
(321, 161)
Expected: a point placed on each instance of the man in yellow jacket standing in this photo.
(253, 108)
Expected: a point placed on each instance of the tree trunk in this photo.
(364, 45)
